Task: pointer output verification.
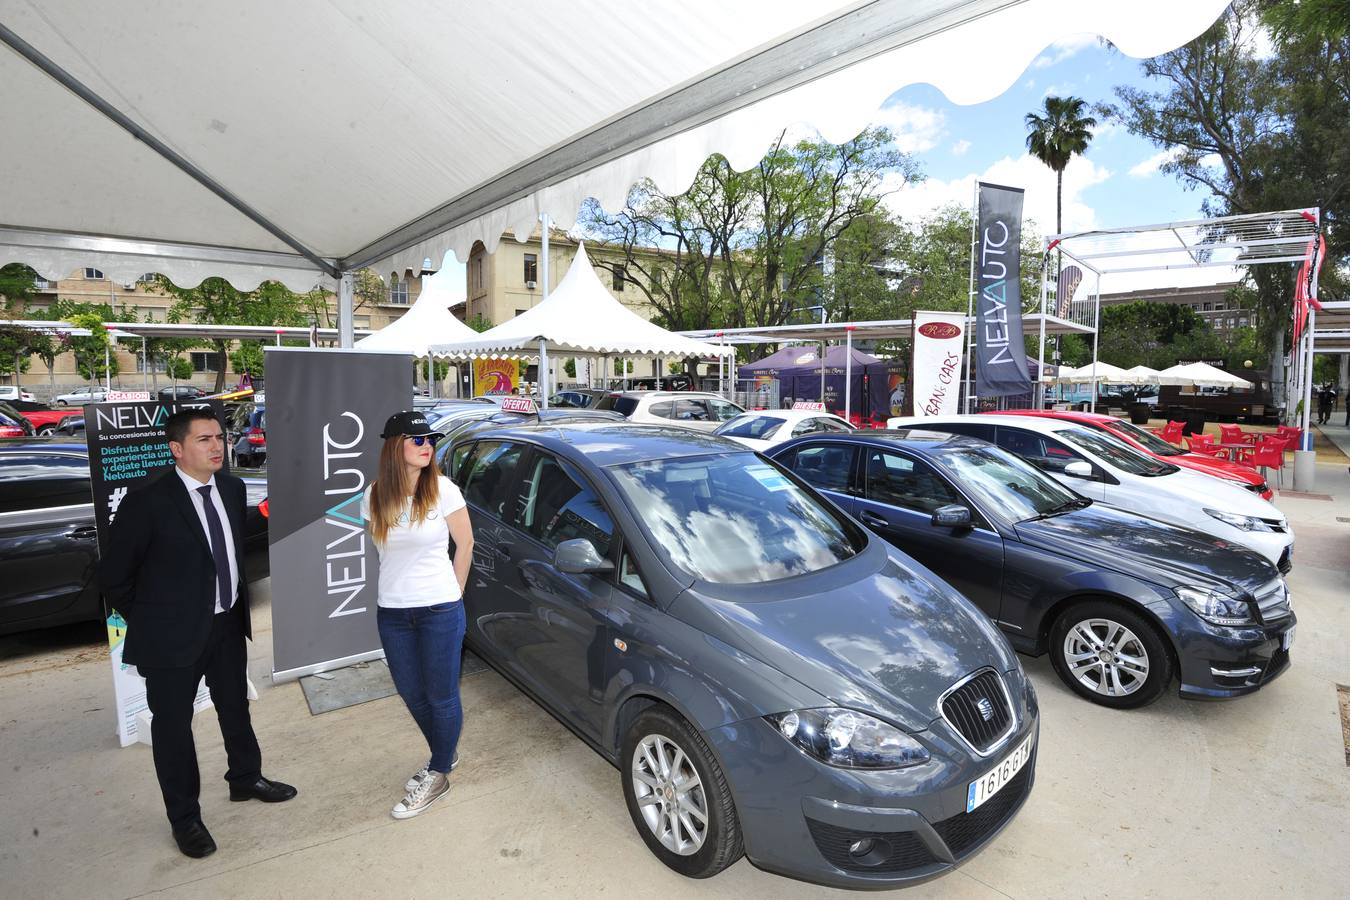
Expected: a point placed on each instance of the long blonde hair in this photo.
(390, 491)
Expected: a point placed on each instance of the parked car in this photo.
(178, 393)
(577, 398)
(762, 430)
(767, 677)
(1102, 468)
(1120, 602)
(13, 423)
(11, 392)
(43, 418)
(71, 426)
(246, 430)
(48, 541)
(80, 396)
(688, 409)
(464, 427)
(1147, 442)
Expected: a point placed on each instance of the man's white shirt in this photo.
(192, 485)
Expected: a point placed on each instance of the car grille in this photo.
(1256, 488)
(964, 830)
(1286, 563)
(1279, 526)
(979, 710)
(892, 852)
(1272, 601)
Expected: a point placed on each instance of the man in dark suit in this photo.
(175, 571)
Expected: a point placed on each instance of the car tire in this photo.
(1101, 626)
(649, 742)
(62, 403)
(46, 431)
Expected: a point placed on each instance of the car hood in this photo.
(1153, 551)
(878, 633)
(1220, 468)
(1210, 492)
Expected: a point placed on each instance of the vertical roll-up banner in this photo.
(939, 342)
(127, 449)
(325, 411)
(1000, 353)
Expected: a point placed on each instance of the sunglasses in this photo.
(420, 439)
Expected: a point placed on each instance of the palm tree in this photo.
(1057, 136)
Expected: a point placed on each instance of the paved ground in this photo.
(1247, 798)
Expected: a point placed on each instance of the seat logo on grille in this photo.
(986, 708)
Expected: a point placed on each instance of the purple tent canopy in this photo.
(878, 386)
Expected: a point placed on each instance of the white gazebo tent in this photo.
(1199, 374)
(150, 161)
(1142, 374)
(580, 317)
(427, 323)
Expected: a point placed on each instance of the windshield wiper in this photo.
(1066, 506)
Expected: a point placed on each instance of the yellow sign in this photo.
(495, 376)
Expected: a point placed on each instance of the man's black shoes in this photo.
(194, 840)
(264, 790)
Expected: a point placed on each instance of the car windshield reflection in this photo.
(1005, 483)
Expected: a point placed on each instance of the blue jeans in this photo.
(422, 646)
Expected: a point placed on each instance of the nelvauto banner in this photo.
(325, 411)
(939, 344)
(127, 449)
(1000, 354)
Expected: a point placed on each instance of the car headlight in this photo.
(849, 739)
(1246, 523)
(1220, 609)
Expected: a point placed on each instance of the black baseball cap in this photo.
(409, 422)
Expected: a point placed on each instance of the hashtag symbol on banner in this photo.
(114, 501)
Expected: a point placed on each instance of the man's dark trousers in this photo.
(170, 692)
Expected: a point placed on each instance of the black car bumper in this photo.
(1219, 663)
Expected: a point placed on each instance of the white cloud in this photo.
(916, 128)
(1063, 48)
(916, 201)
(1106, 130)
(1150, 166)
(960, 147)
(1058, 90)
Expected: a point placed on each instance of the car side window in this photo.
(629, 577)
(42, 482)
(665, 410)
(907, 483)
(691, 411)
(722, 411)
(557, 504)
(454, 460)
(1041, 451)
(490, 474)
(824, 466)
(969, 429)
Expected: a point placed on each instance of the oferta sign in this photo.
(325, 409)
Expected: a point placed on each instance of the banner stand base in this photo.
(301, 671)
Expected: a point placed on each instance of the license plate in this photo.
(1288, 640)
(993, 781)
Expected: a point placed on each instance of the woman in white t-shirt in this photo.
(414, 514)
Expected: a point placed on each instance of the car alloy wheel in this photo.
(1111, 654)
(46, 431)
(670, 795)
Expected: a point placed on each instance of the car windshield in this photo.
(624, 406)
(1116, 452)
(735, 519)
(754, 427)
(1005, 483)
(1146, 439)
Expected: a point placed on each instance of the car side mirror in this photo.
(578, 557)
(951, 516)
(1078, 469)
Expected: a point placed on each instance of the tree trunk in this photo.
(51, 379)
(223, 359)
(1277, 375)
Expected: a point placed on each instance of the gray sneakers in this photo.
(421, 773)
(430, 789)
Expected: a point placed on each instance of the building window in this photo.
(519, 311)
(360, 321)
(93, 275)
(206, 362)
(1209, 307)
(147, 278)
(157, 364)
(620, 276)
(42, 284)
(531, 269)
(398, 291)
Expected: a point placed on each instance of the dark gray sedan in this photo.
(768, 678)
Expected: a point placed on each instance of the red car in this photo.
(1146, 441)
(43, 419)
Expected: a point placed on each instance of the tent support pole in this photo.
(543, 374)
(543, 252)
(1038, 395)
(971, 313)
(346, 291)
(1096, 333)
(145, 367)
(848, 373)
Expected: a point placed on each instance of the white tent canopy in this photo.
(427, 323)
(1142, 375)
(580, 318)
(1198, 374)
(1102, 372)
(356, 135)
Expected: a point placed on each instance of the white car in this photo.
(687, 409)
(1107, 470)
(81, 396)
(762, 429)
(10, 392)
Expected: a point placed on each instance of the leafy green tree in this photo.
(248, 358)
(442, 369)
(93, 357)
(15, 348)
(17, 285)
(179, 368)
(479, 323)
(1055, 136)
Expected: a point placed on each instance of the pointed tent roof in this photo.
(800, 360)
(580, 318)
(1201, 375)
(428, 322)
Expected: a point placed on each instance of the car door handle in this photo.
(84, 532)
(871, 518)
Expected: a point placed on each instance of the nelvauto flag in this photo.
(939, 342)
(1000, 355)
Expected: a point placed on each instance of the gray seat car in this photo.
(769, 678)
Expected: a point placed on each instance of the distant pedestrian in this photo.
(414, 514)
(1326, 401)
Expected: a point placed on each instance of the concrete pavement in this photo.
(1244, 798)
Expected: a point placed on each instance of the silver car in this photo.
(81, 396)
(687, 409)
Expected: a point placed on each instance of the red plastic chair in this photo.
(1172, 432)
(1203, 443)
(1291, 435)
(1269, 455)
(1232, 434)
